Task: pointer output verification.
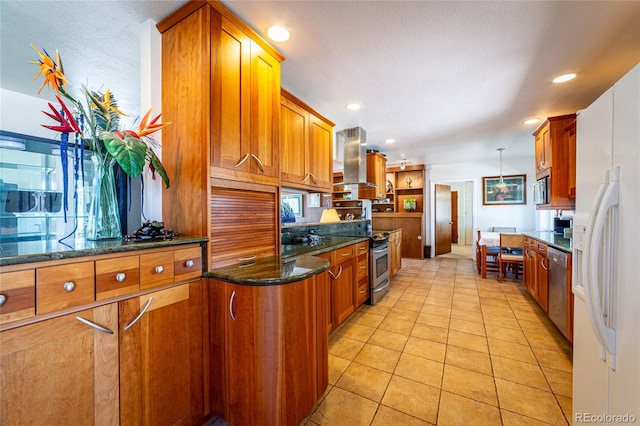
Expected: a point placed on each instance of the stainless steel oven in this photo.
(379, 266)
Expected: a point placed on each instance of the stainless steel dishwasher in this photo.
(558, 288)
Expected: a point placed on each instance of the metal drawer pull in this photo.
(121, 276)
(233, 296)
(94, 325)
(362, 248)
(3, 299)
(159, 269)
(239, 163)
(189, 263)
(135, 320)
(362, 266)
(345, 254)
(259, 162)
(69, 286)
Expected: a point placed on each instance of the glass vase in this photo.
(104, 218)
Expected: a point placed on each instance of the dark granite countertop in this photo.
(40, 251)
(553, 239)
(327, 243)
(272, 270)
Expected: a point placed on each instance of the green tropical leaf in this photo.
(130, 152)
(159, 168)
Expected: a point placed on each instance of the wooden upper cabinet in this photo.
(306, 146)
(377, 174)
(555, 159)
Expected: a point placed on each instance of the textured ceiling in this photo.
(450, 81)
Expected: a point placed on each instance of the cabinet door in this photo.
(342, 291)
(161, 363)
(396, 252)
(293, 142)
(542, 277)
(265, 113)
(412, 245)
(61, 371)
(230, 124)
(320, 153)
(543, 149)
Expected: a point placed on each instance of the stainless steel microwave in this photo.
(541, 191)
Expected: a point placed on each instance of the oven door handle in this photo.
(382, 250)
(384, 284)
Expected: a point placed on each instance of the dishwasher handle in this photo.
(557, 258)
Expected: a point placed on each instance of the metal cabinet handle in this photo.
(121, 276)
(3, 299)
(339, 271)
(419, 237)
(189, 263)
(362, 267)
(345, 254)
(546, 268)
(258, 161)
(69, 286)
(363, 291)
(233, 296)
(397, 243)
(363, 248)
(313, 178)
(239, 163)
(247, 259)
(305, 178)
(94, 325)
(159, 269)
(333, 277)
(135, 320)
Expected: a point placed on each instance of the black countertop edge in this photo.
(553, 239)
(268, 271)
(330, 244)
(42, 251)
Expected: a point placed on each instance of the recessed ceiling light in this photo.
(278, 33)
(565, 77)
(352, 107)
(531, 121)
(390, 141)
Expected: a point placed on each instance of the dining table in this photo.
(487, 239)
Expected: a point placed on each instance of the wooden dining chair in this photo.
(510, 254)
(491, 260)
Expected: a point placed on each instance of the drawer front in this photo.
(64, 286)
(362, 267)
(362, 248)
(187, 263)
(17, 295)
(542, 249)
(362, 291)
(345, 253)
(156, 269)
(115, 277)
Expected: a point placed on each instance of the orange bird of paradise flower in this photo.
(51, 70)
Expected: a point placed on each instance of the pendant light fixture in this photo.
(501, 183)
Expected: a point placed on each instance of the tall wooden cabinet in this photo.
(221, 91)
(376, 174)
(306, 146)
(555, 160)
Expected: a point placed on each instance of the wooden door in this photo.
(161, 363)
(294, 134)
(231, 74)
(412, 230)
(442, 219)
(265, 113)
(61, 371)
(454, 217)
(320, 153)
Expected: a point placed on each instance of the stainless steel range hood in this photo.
(354, 145)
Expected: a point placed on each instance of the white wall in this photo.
(523, 217)
(23, 114)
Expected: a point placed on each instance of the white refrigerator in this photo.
(606, 258)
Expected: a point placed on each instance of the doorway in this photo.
(463, 220)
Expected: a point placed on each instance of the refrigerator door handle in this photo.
(610, 200)
(587, 281)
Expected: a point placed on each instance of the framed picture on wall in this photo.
(295, 202)
(504, 190)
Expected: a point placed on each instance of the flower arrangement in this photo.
(96, 125)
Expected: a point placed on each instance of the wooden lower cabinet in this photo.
(536, 271)
(412, 225)
(395, 251)
(265, 355)
(64, 371)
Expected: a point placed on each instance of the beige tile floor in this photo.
(446, 347)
